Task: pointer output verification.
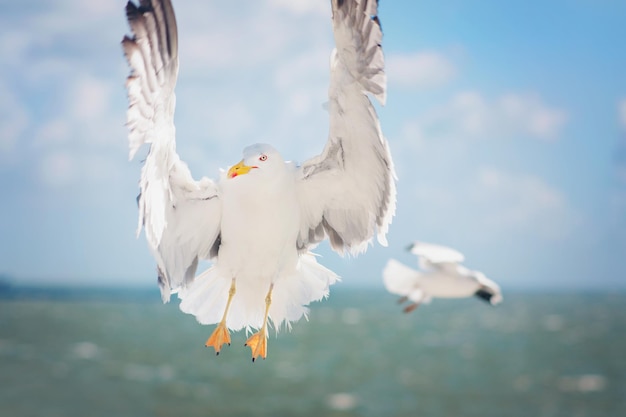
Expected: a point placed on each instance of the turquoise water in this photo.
(358, 355)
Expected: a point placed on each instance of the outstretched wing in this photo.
(180, 216)
(489, 290)
(348, 192)
(431, 256)
(436, 253)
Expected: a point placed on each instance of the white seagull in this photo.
(257, 222)
(442, 276)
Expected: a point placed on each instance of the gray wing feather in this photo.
(152, 54)
(180, 216)
(348, 192)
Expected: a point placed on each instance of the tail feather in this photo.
(209, 298)
(206, 297)
(292, 294)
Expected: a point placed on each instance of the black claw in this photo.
(252, 360)
(217, 354)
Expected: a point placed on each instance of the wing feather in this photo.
(436, 253)
(436, 257)
(180, 216)
(348, 193)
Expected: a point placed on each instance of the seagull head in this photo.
(260, 156)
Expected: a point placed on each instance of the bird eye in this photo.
(262, 157)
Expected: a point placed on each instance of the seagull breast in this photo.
(259, 206)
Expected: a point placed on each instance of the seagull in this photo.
(257, 221)
(442, 276)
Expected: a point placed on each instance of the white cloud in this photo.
(419, 70)
(303, 6)
(494, 204)
(96, 9)
(13, 46)
(222, 52)
(523, 202)
(62, 168)
(231, 120)
(57, 169)
(90, 99)
(470, 115)
(250, 39)
(470, 111)
(65, 17)
(304, 69)
(53, 132)
(528, 113)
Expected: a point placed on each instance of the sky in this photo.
(506, 122)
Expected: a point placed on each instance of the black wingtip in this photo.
(484, 295)
(127, 44)
(161, 278)
(132, 11)
(377, 21)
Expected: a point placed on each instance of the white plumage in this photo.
(441, 276)
(257, 223)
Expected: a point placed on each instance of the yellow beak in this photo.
(239, 169)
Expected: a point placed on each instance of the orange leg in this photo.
(220, 335)
(258, 341)
(410, 307)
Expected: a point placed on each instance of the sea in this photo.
(121, 352)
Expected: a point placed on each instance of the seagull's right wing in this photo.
(180, 216)
(489, 290)
(348, 192)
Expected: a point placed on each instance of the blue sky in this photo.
(507, 123)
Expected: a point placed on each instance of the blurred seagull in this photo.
(442, 276)
(258, 220)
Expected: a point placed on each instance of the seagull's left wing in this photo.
(348, 192)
